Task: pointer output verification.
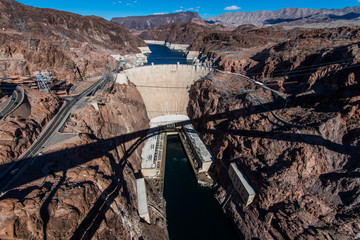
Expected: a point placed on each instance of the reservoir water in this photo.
(192, 211)
(163, 55)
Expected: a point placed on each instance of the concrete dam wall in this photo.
(164, 88)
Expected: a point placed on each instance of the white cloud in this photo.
(160, 13)
(232, 8)
(181, 7)
(190, 9)
(199, 6)
(179, 10)
(135, 1)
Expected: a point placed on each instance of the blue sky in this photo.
(206, 8)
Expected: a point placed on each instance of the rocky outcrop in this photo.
(34, 39)
(151, 21)
(180, 33)
(22, 127)
(289, 17)
(313, 61)
(208, 38)
(85, 188)
(306, 177)
(301, 156)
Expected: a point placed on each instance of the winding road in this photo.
(18, 167)
(13, 102)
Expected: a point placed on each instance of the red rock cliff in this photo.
(84, 188)
(302, 159)
(34, 39)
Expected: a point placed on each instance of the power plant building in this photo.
(241, 184)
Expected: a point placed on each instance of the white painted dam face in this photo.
(164, 88)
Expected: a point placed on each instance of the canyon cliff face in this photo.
(316, 60)
(180, 33)
(151, 21)
(207, 38)
(85, 187)
(21, 128)
(34, 39)
(301, 157)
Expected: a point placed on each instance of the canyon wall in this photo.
(302, 159)
(20, 129)
(34, 39)
(85, 188)
(151, 21)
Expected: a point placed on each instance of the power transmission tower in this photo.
(107, 68)
(243, 89)
(21, 26)
(285, 34)
(221, 85)
(296, 38)
(42, 78)
(48, 37)
(335, 35)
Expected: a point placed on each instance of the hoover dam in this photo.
(171, 165)
(164, 88)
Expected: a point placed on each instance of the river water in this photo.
(192, 211)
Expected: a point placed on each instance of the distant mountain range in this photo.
(284, 17)
(151, 21)
(287, 16)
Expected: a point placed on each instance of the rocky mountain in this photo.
(85, 187)
(289, 16)
(300, 155)
(33, 39)
(200, 37)
(151, 21)
(306, 177)
(19, 130)
(180, 33)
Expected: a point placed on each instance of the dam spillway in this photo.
(164, 88)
